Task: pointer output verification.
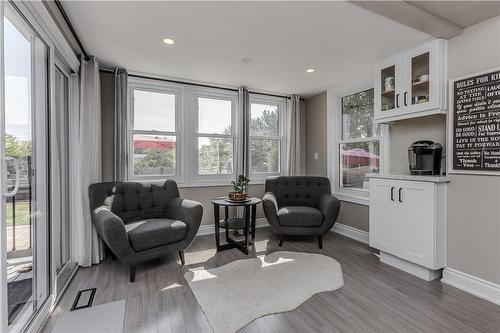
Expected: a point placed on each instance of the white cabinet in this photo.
(411, 83)
(407, 223)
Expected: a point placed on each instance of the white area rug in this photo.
(105, 318)
(233, 295)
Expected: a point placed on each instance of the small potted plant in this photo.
(240, 189)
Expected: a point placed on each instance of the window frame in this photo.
(217, 94)
(354, 195)
(155, 87)
(280, 102)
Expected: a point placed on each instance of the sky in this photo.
(17, 82)
(156, 111)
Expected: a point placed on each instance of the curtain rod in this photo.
(71, 28)
(195, 84)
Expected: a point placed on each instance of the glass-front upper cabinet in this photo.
(411, 83)
(388, 93)
(388, 84)
(420, 78)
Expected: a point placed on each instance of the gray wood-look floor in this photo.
(374, 298)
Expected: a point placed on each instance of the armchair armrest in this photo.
(112, 230)
(187, 211)
(270, 206)
(330, 207)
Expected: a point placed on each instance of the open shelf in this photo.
(420, 83)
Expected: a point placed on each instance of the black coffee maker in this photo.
(424, 157)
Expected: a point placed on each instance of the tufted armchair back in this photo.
(133, 201)
(298, 190)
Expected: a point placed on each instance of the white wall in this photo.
(473, 220)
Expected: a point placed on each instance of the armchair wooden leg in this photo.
(281, 240)
(132, 273)
(181, 256)
(320, 242)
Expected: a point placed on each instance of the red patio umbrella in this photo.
(153, 143)
(360, 157)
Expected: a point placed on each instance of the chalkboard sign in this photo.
(475, 121)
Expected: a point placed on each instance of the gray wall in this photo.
(351, 214)
(354, 215)
(315, 142)
(205, 194)
(107, 110)
(405, 132)
(473, 220)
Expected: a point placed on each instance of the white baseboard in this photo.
(342, 229)
(209, 229)
(473, 285)
(409, 267)
(353, 233)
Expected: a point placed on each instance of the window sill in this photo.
(357, 199)
(193, 184)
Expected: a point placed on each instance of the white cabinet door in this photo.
(389, 81)
(383, 214)
(422, 78)
(416, 222)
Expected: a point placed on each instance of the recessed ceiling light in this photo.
(310, 70)
(168, 41)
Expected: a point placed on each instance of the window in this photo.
(155, 132)
(182, 132)
(266, 136)
(215, 136)
(358, 144)
(191, 134)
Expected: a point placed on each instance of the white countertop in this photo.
(432, 179)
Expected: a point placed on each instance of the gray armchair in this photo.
(301, 206)
(143, 222)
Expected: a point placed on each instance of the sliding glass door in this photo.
(25, 193)
(60, 167)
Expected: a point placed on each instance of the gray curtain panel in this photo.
(88, 246)
(244, 109)
(293, 136)
(120, 158)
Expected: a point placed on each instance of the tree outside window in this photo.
(360, 140)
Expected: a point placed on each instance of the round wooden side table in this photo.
(245, 223)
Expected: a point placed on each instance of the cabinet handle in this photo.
(397, 100)
(406, 93)
(392, 193)
(399, 192)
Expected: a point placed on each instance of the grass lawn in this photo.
(22, 213)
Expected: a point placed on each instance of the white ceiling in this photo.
(340, 40)
(461, 13)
